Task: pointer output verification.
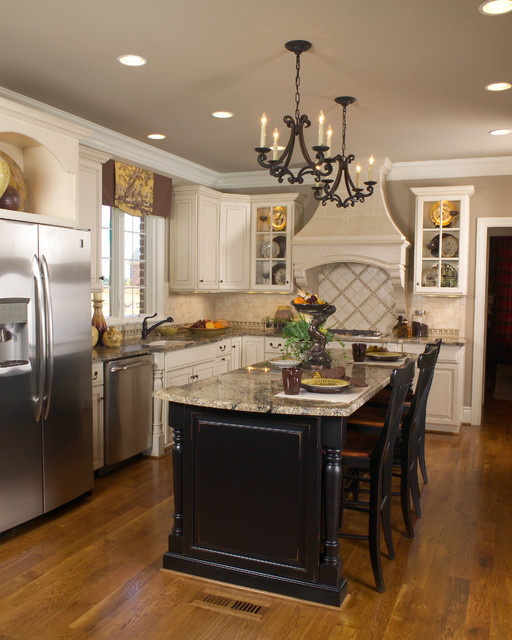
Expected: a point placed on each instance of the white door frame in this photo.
(479, 329)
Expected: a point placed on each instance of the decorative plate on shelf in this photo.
(449, 211)
(279, 274)
(326, 385)
(277, 219)
(449, 276)
(270, 249)
(450, 246)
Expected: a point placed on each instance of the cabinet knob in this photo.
(221, 281)
(95, 376)
(201, 280)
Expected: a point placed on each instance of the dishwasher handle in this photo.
(129, 366)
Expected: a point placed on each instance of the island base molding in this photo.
(320, 593)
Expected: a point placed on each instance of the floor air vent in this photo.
(234, 606)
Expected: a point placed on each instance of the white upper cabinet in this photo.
(275, 220)
(234, 243)
(209, 241)
(441, 240)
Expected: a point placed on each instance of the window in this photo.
(129, 249)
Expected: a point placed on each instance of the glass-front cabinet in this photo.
(441, 239)
(275, 220)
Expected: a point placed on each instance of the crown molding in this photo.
(121, 147)
(456, 168)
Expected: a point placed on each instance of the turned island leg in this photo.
(333, 436)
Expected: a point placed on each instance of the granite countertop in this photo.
(185, 340)
(254, 389)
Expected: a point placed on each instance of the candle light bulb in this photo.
(274, 148)
(321, 119)
(329, 136)
(358, 171)
(370, 168)
(263, 130)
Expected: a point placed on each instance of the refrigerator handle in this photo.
(47, 398)
(40, 337)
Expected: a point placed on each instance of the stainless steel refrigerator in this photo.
(45, 369)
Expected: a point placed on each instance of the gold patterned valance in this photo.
(136, 191)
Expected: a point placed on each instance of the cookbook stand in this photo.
(317, 357)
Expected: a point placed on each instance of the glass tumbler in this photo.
(291, 380)
(358, 351)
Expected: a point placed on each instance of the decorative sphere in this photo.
(10, 199)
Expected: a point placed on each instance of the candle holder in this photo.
(317, 357)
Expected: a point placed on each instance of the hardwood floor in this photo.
(93, 569)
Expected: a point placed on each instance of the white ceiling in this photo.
(417, 68)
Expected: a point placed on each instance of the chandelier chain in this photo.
(343, 130)
(297, 93)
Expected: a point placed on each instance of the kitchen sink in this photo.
(167, 343)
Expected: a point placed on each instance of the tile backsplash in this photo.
(362, 294)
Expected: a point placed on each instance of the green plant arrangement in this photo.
(298, 341)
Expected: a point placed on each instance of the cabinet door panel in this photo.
(182, 255)
(234, 247)
(204, 370)
(441, 400)
(207, 244)
(253, 350)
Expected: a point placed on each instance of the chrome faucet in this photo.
(147, 330)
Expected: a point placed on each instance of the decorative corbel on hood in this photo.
(365, 233)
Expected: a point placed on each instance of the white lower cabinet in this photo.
(253, 350)
(273, 347)
(97, 415)
(445, 401)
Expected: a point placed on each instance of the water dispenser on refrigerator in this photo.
(13, 332)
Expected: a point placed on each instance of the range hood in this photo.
(365, 233)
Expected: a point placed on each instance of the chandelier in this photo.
(330, 172)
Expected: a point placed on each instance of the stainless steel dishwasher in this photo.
(128, 407)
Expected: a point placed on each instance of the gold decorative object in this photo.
(278, 218)
(5, 175)
(98, 319)
(449, 212)
(17, 182)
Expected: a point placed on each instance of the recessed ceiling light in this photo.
(222, 114)
(132, 60)
(156, 136)
(500, 132)
(496, 7)
(498, 86)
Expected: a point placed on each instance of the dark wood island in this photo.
(257, 481)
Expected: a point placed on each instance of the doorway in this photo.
(492, 342)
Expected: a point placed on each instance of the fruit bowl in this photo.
(167, 330)
(201, 331)
(308, 308)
